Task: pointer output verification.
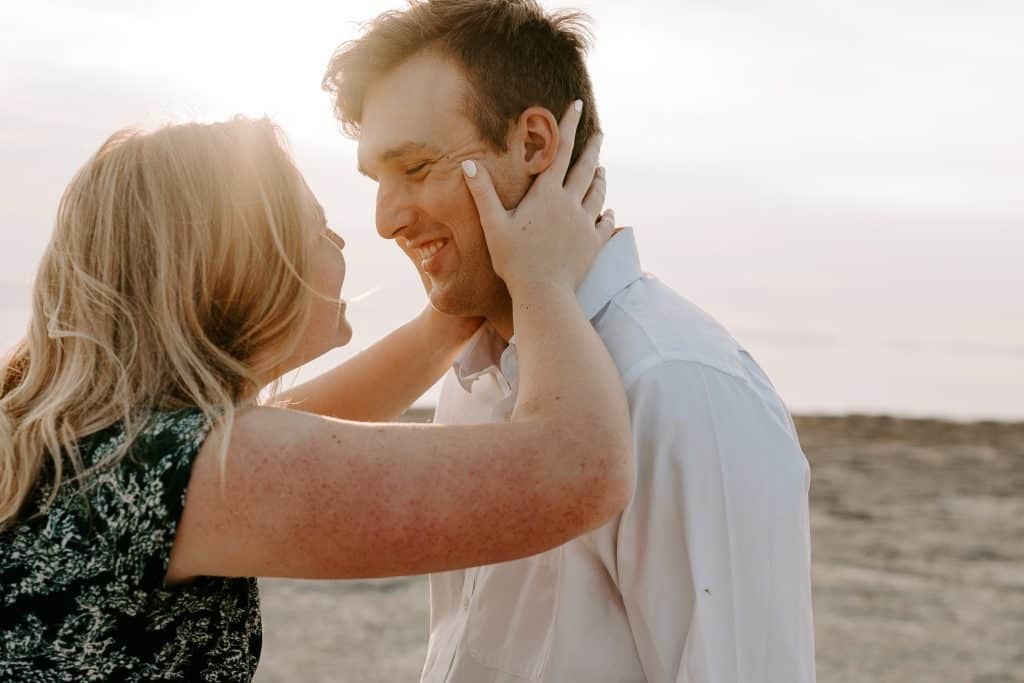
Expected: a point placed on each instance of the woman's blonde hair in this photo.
(176, 276)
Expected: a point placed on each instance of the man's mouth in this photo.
(430, 255)
(425, 251)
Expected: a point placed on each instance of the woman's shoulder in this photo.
(145, 472)
(168, 431)
(92, 569)
(161, 435)
(135, 496)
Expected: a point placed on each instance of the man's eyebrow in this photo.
(406, 149)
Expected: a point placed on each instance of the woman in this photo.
(189, 268)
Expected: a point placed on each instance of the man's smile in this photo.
(430, 248)
(433, 257)
(429, 252)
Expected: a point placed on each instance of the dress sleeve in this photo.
(713, 552)
(141, 501)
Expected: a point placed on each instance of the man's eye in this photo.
(413, 170)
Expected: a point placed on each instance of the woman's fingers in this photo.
(605, 226)
(488, 205)
(494, 219)
(566, 141)
(582, 173)
(596, 193)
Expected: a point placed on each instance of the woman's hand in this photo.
(550, 237)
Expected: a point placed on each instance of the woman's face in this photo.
(328, 328)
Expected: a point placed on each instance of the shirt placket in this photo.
(468, 591)
(506, 378)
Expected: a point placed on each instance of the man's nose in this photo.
(394, 213)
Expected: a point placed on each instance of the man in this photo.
(705, 577)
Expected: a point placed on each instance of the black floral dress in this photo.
(81, 587)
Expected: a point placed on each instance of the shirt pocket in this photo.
(512, 613)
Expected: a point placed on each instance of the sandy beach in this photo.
(918, 532)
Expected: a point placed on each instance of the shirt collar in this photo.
(481, 355)
(616, 267)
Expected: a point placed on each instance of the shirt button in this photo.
(465, 604)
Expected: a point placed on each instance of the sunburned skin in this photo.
(318, 499)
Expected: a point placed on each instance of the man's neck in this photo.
(501, 320)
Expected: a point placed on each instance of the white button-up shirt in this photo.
(705, 576)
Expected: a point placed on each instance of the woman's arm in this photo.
(380, 383)
(306, 496)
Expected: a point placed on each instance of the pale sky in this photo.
(841, 184)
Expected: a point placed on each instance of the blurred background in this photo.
(840, 183)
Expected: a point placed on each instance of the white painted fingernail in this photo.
(578, 105)
(469, 168)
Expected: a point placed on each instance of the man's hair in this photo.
(514, 55)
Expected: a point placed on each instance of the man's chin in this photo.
(444, 302)
(442, 306)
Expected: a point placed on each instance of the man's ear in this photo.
(536, 139)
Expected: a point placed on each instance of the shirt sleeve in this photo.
(713, 552)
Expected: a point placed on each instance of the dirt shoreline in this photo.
(918, 541)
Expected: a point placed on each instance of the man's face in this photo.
(413, 138)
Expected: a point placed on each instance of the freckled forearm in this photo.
(381, 382)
